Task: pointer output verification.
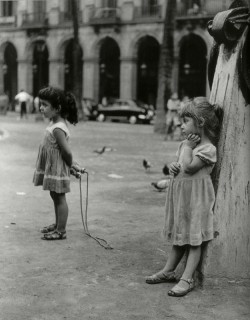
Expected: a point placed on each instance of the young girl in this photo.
(190, 196)
(54, 157)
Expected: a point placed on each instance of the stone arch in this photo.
(8, 65)
(147, 57)
(133, 48)
(106, 53)
(96, 45)
(192, 55)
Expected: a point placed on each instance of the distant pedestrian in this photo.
(55, 157)
(23, 99)
(172, 116)
(190, 195)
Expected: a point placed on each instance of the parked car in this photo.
(90, 108)
(125, 110)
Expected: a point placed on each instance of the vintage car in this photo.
(127, 110)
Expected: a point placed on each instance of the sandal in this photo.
(160, 277)
(49, 228)
(179, 291)
(56, 235)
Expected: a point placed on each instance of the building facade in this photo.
(120, 46)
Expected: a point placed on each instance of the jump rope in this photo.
(78, 174)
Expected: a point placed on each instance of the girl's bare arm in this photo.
(191, 164)
(64, 146)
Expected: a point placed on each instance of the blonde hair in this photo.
(204, 113)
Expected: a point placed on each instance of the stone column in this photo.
(1, 77)
(25, 76)
(56, 73)
(91, 78)
(175, 75)
(128, 78)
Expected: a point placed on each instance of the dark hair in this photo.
(63, 100)
(202, 111)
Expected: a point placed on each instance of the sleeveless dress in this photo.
(190, 200)
(51, 171)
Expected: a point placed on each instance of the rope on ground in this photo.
(103, 243)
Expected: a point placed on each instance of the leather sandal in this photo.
(49, 228)
(161, 277)
(179, 291)
(56, 235)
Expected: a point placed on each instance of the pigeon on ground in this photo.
(160, 185)
(103, 149)
(146, 164)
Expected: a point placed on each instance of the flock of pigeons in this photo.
(160, 185)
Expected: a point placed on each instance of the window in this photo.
(149, 3)
(39, 6)
(8, 8)
(109, 3)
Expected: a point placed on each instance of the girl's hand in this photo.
(174, 168)
(75, 166)
(192, 140)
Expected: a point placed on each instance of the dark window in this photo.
(39, 6)
(109, 3)
(8, 8)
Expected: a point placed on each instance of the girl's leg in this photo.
(186, 283)
(174, 258)
(193, 260)
(167, 273)
(61, 209)
(52, 194)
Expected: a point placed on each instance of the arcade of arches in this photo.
(110, 75)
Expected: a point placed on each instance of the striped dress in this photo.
(51, 171)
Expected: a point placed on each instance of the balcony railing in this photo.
(11, 20)
(39, 19)
(66, 17)
(102, 16)
(208, 9)
(151, 12)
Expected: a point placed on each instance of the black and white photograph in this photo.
(125, 159)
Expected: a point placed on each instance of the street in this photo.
(76, 278)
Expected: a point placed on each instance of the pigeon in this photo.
(146, 164)
(165, 170)
(160, 185)
(103, 149)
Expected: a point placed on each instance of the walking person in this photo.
(172, 116)
(55, 157)
(23, 99)
(190, 195)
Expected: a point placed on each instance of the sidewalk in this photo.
(76, 278)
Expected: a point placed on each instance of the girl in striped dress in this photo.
(55, 157)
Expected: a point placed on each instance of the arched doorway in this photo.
(68, 66)
(109, 70)
(192, 66)
(147, 70)
(40, 66)
(10, 72)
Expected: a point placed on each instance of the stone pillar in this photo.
(1, 77)
(91, 78)
(175, 75)
(128, 77)
(25, 76)
(56, 75)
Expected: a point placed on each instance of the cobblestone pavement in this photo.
(76, 278)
